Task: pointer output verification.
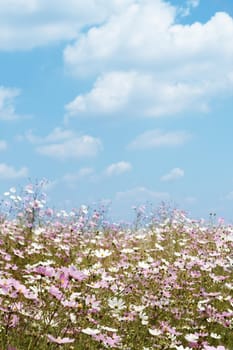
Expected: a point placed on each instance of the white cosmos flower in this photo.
(143, 265)
(215, 336)
(154, 331)
(38, 231)
(127, 251)
(96, 267)
(138, 308)
(150, 259)
(229, 285)
(108, 278)
(230, 260)
(116, 304)
(102, 253)
(191, 337)
(37, 246)
(73, 318)
(90, 331)
(12, 190)
(84, 209)
(159, 247)
(109, 329)
(75, 296)
(144, 318)
(114, 269)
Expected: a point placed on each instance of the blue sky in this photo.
(121, 101)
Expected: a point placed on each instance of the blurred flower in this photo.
(191, 337)
(116, 304)
(60, 340)
(154, 331)
(54, 291)
(102, 253)
(144, 318)
(215, 336)
(90, 331)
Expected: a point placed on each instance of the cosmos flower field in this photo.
(73, 280)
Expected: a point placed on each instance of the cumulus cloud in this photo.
(189, 6)
(3, 145)
(89, 174)
(56, 135)
(25, 24)
(147, 35)
(8, 172)
(152, 62)
(141, 195)
(158, 138)
(83, 146)
(65, 144)
(118, 168)
(120, 39)
(139, 94)
(109, 94)
(173, 174)
(7, 99)
(83, 173)
(193, 3)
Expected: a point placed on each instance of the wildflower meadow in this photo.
(74, 280)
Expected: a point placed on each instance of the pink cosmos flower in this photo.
(113, 341)
(64, 279)
(5, 286)
(45, 271)
(109, 341)
(60, 340)
(20, 288)
(14, 321)
(76, 274)
(54, 291)
(69, 303)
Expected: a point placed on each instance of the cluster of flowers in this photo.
(69, 280)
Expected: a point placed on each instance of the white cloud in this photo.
(141, 194)
(83, 173)
(138, 94)
(9, 172)
(152, 61)
(78, 147)
(147, 35)
(121, 37)
(189, 6)
(56, 135)
(157, 138)
(3, 145)
(7, 108)
(25, 24)
(65, 144)
(174, 174)
(109, 94)
(89, 173)
(118, 168)
(193, 3)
